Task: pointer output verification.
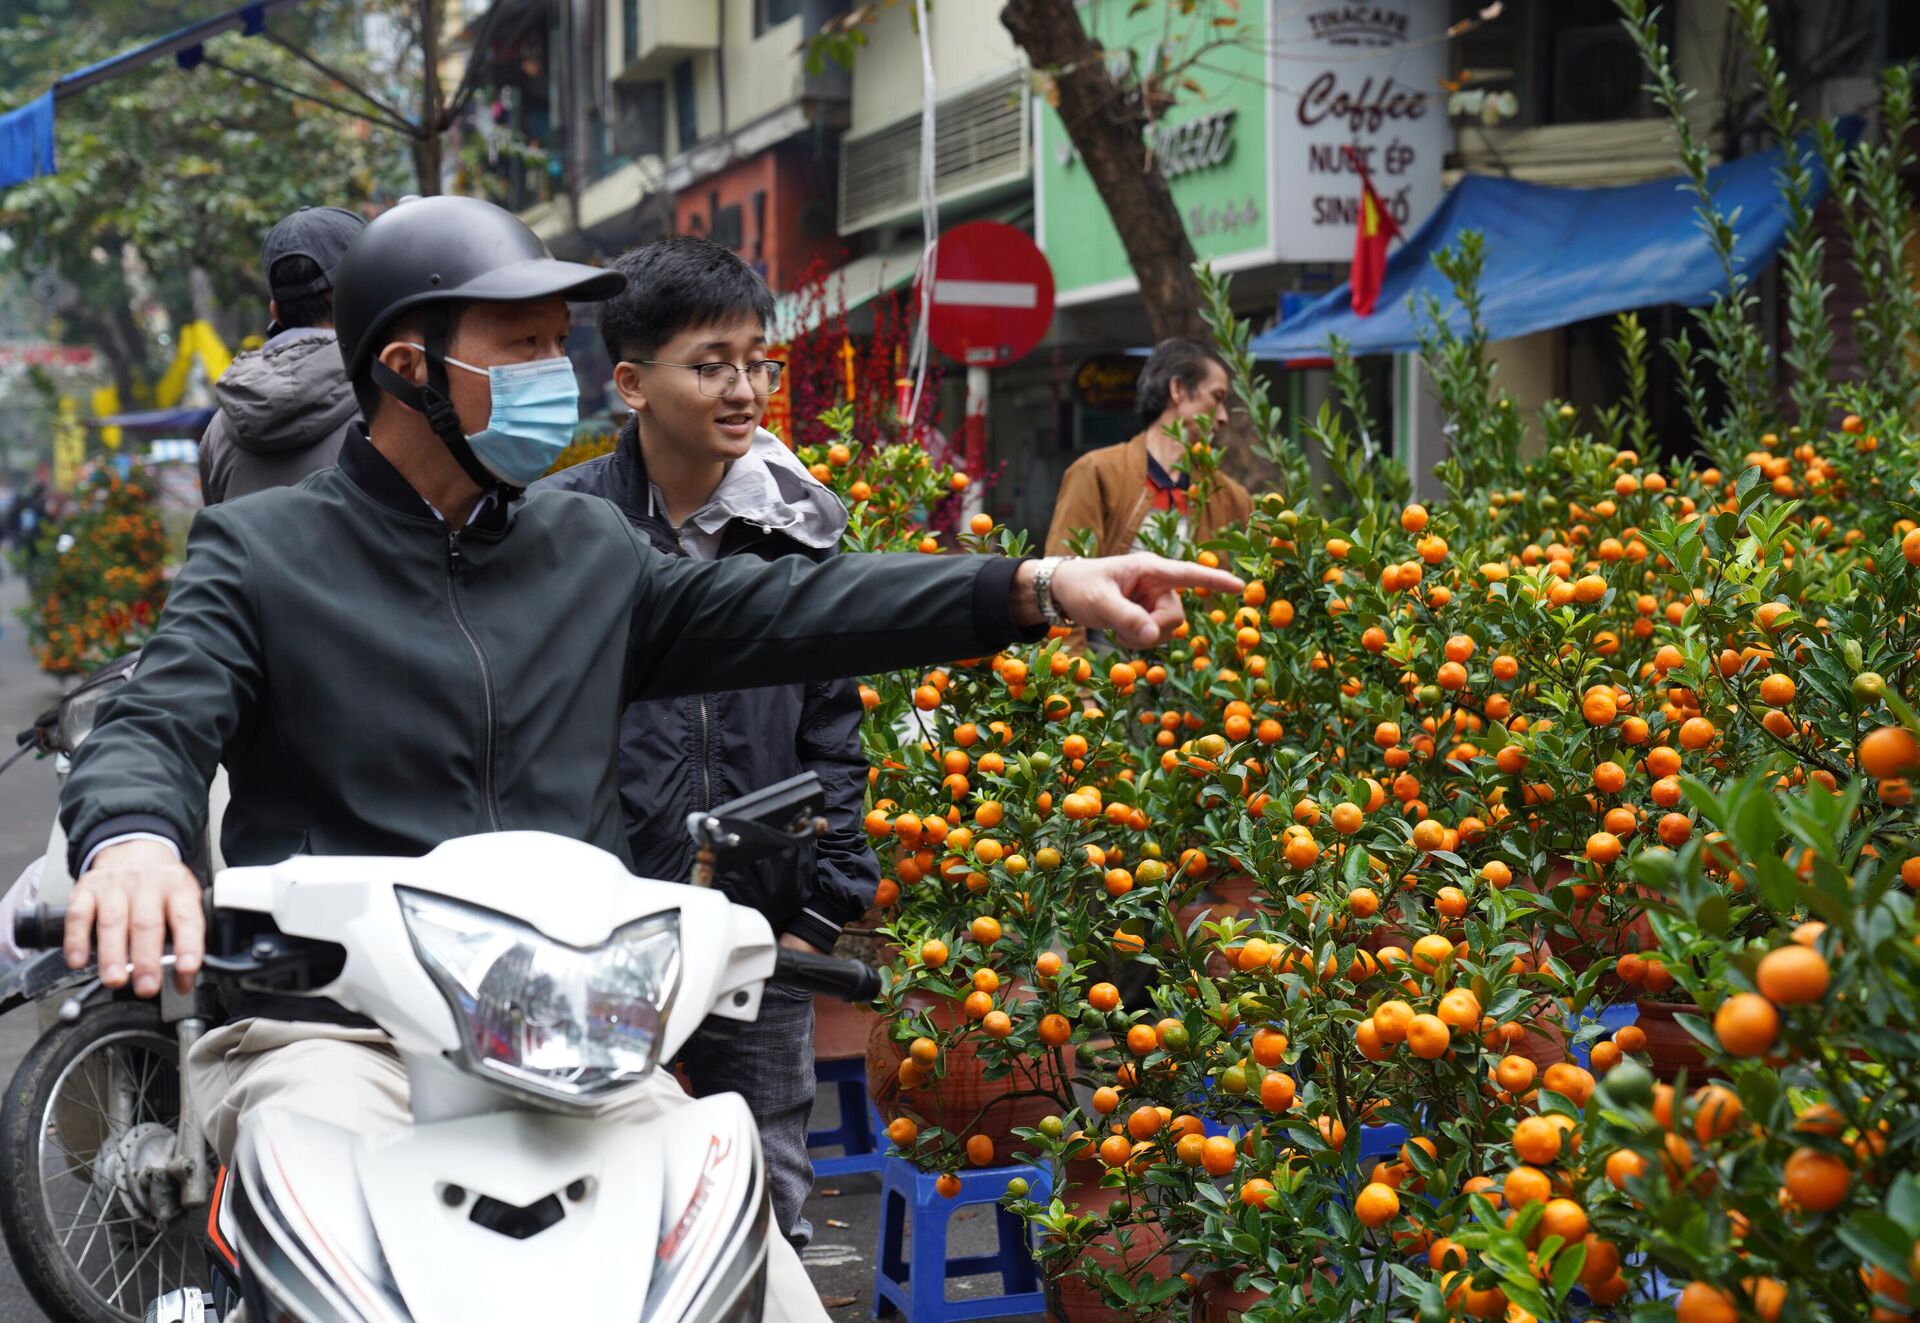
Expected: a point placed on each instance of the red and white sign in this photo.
(992, 294)
(36, 354)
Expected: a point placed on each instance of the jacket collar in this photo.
(767, 492)
(373, 474)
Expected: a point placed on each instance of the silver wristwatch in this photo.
(1043, 591)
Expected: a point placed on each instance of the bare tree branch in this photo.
(352, 86)
(384, 121)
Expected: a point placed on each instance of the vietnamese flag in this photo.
(1371, 234)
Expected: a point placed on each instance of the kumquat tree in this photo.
(1504, 909)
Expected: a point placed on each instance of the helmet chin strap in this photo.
(433, 402)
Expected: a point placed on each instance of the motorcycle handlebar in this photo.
(42, 927)
(849, 980)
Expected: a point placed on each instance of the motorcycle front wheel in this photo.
(91, 1219)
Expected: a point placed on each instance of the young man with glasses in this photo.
(695, 473)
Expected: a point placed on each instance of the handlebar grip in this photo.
(849, 980)
(44, 927)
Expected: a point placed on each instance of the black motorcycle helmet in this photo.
(424, 256)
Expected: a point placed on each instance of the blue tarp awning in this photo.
(26, 134)
(26, 141)
(1555, 256)
(180, 422)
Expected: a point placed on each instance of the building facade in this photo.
(650, 117)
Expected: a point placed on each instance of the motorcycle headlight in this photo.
(567, 1023)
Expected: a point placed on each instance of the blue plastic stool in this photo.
(1610, 1018)
(858, 1134)
(919, 1288)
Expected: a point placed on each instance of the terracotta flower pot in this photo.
(963, 1102)
(1597, 937)
(1546, 1044)
(841, 1029)
(1670, 1048)
(1235, 890)
(1219, 1304)
(1077, 1300)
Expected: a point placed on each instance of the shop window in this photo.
(1903, 33)
(772, 13)
(726, 229)
(1570, 62)
(686, 105)
(640, 119)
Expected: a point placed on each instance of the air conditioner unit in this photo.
(981, 142)
(1597, 76)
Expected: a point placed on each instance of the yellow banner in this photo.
(198, 341)
(69, 444)
(106, 403)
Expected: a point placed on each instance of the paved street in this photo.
(843, 1213)
(26, 814)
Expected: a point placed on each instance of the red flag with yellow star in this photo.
(1373, 230)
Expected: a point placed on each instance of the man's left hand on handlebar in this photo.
(136, 896)
(1136, 597)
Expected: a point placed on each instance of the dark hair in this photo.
(673, 284)
(409, 325)
(1185, 361)
(315, 309)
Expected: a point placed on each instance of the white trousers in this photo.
(352, 1078)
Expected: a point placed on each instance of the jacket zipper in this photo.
(486, 680)
(706, 745)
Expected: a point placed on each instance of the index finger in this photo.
(1184, 574)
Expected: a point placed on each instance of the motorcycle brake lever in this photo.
(76, 1001)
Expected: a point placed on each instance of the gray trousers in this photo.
(770, 1064)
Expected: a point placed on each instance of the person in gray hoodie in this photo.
(286, 407)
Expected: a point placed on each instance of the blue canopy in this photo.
(183, 421)
(1555, 256)
(26, 141)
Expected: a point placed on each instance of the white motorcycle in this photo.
(99, 1177)
(532, 987)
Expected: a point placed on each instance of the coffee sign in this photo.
(1366, 77)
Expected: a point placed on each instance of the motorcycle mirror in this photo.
(756, 826)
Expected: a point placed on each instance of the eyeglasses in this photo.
(717, 379)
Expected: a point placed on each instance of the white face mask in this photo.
(536, 407)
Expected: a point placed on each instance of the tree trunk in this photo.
(1107, 124)
(428, 146)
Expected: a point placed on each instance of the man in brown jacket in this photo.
(1114, 489)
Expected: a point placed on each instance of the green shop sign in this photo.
(1212, 146)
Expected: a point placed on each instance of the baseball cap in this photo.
(319, 234)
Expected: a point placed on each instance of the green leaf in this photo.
(1879, 1240)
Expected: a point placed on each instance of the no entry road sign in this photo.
(992, 294)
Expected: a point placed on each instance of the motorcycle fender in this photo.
(572, 1203)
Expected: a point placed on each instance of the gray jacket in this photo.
(284, 410)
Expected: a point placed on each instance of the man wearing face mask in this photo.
(461, 662)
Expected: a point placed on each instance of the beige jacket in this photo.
(1107, 490)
